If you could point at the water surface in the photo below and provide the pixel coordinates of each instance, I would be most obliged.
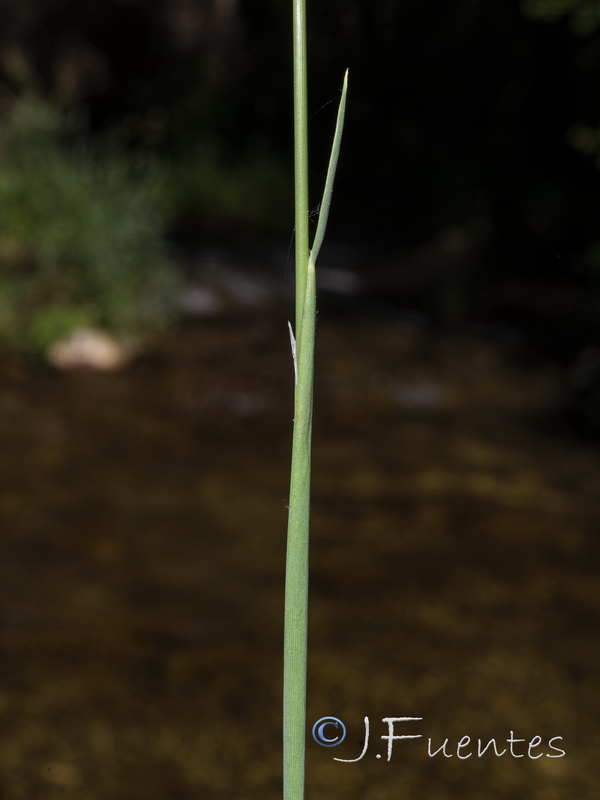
(454, 569)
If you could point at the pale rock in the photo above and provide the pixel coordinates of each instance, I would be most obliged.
(89, 349)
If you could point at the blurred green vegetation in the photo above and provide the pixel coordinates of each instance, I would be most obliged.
(583, 18)
(583, 15)
(458, 107)
(249, 193)
(81, 241)
(464, 114)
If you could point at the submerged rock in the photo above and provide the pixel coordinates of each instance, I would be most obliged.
(89, 349)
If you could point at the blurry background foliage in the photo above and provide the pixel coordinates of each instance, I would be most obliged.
(583, 19)
(80, 244)
(583, 15)
(465, 115)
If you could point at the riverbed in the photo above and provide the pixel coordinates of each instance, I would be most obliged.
(454, 569)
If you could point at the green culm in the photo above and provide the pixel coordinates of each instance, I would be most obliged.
(296, 584)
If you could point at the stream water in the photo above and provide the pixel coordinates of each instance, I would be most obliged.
(454, 570)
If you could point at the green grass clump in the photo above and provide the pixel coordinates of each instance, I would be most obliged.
(80, 240)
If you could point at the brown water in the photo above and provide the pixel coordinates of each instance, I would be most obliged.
(454, 571)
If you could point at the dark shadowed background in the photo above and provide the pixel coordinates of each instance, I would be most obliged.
(146, 192)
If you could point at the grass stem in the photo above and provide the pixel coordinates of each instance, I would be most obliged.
(296, 583)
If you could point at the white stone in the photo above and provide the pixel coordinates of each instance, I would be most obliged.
(89, 349)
